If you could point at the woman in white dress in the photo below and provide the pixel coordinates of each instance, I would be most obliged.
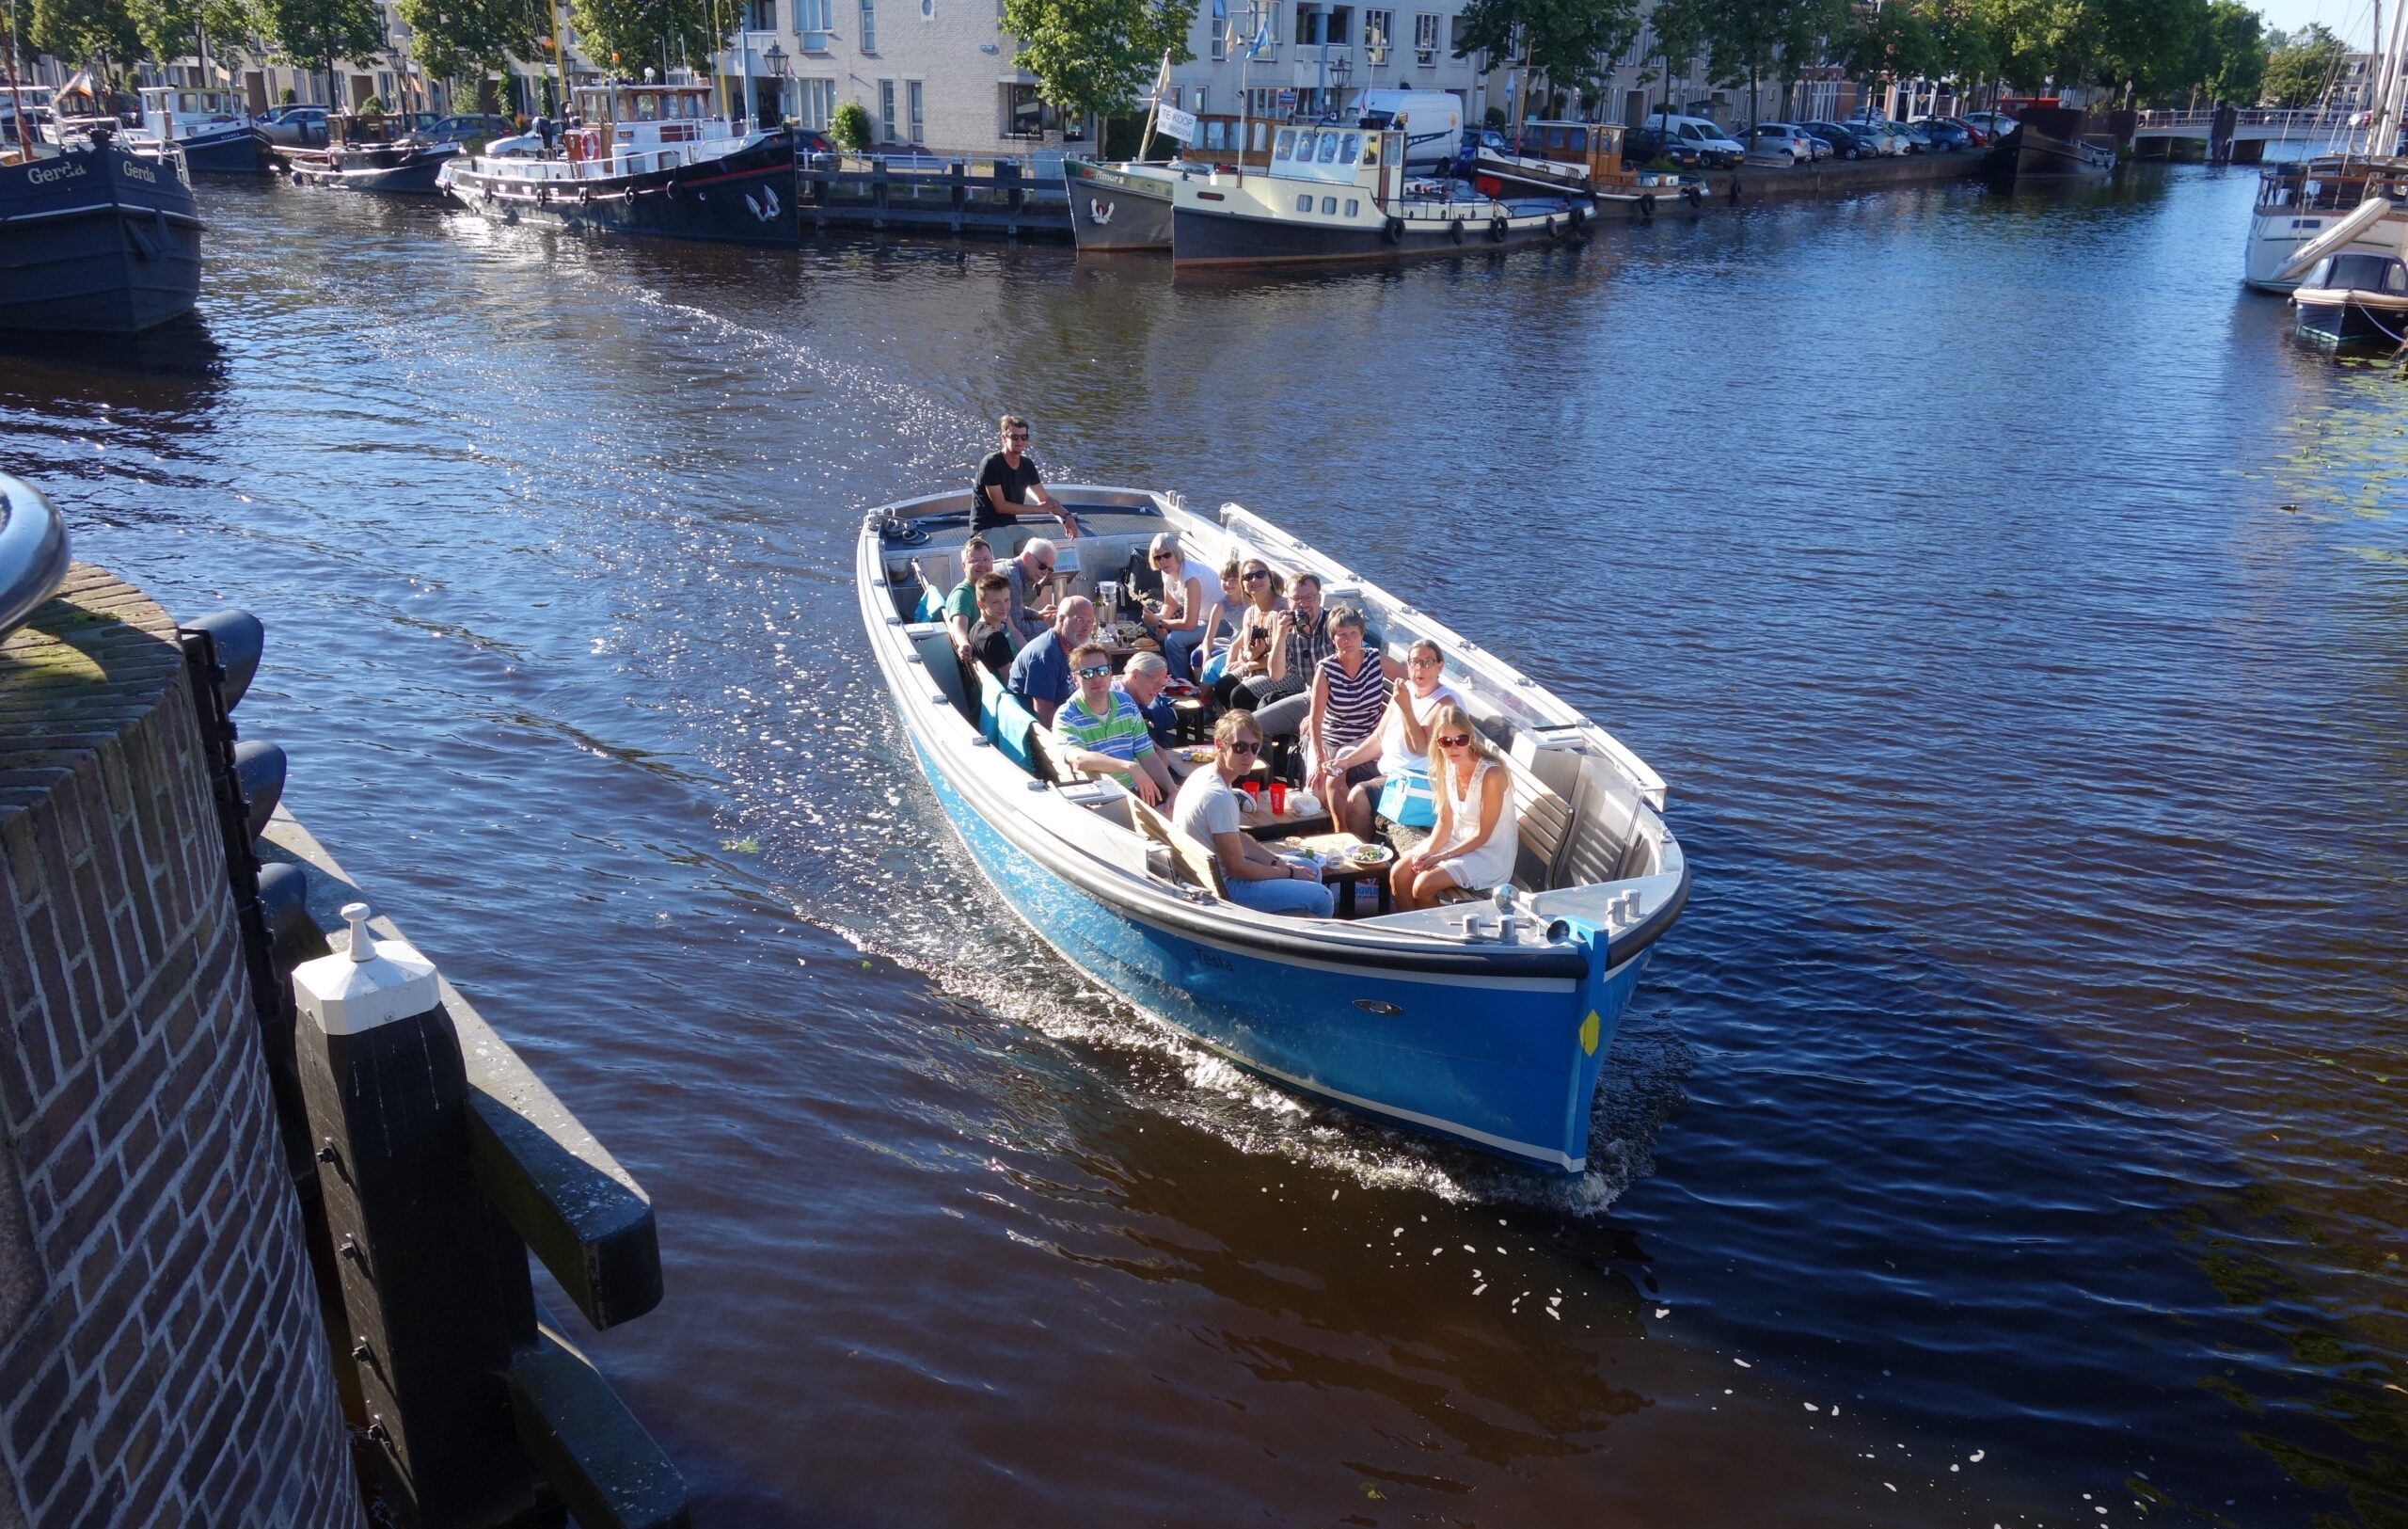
(1478, 831)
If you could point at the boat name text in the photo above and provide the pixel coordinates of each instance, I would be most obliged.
(44, 174)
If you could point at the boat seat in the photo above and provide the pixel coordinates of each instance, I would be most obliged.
(991, 692)
(1195, 864)
(1052, 757)
(1014, 724)
(1545, 821)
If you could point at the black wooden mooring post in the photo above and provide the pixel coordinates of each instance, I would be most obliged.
(436, 1288)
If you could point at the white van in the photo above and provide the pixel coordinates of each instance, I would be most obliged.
(1720, 148)
(1433, 124)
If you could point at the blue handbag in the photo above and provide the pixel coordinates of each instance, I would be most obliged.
(1216, 666)
(1406, 799)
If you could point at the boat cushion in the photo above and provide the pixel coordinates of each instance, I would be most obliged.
(991, 692)
(1014, 721)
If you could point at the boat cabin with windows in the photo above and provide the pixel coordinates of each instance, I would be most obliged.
(189, 106)
(1595, 147)
(647, 115)
(1366, 159)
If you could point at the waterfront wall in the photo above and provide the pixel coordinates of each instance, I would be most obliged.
(1840, 176)
(161, 1356)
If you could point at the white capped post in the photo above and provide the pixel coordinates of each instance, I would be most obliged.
(373, 982)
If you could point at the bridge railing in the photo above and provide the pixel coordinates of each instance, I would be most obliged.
(2300, 123)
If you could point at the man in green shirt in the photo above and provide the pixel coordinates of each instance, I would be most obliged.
(1105, 732)
(961, 606)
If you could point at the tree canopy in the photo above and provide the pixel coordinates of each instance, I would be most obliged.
(470, 38)
(623, 38)
(79, 30)
(1564, 40)
(1097, 55)
(167, 27)
(2304, 68)
(317, 32)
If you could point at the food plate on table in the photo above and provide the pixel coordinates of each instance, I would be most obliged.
(1196, 753)
(1370, 854)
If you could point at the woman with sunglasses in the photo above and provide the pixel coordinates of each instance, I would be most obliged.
(1207, 811)
(1250, 632)
(1192, 597)
(1478, 830)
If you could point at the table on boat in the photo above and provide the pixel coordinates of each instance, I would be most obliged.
(1346, 874)
(1259, 822)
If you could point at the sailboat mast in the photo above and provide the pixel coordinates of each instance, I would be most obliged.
(17, 87)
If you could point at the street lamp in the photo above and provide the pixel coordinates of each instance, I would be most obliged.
(1339, 73)
(776, 59)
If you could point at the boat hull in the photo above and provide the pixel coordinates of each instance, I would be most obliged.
(1510, 1070)
(236, 151)
(2352, 318)
(1116, 211)
(96, 240)
(1202, 238)
(411, 175)
(747, 198)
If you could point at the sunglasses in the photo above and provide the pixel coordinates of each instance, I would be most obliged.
(1096, 671)
(1020, 435)
(1045, 567)
(1242, 746)
(1457, 740)
(1257, 577)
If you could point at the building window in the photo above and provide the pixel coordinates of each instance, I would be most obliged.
(1425, 39)
(764, 15)
(1198, 107)
(886, 111)
(1341, 24)
(1220, 28)
(1025, 116)
(869, 25)
(1379, 28)
(919, 122)
(927, 10)
(818, 103)
(815, 21)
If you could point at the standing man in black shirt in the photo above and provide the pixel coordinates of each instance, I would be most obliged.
(1007, 483)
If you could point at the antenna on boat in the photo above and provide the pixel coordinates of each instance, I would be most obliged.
(17, 87)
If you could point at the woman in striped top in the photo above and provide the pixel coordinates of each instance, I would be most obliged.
(1350, 695)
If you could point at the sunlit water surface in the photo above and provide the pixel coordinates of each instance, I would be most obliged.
(2008, 1134)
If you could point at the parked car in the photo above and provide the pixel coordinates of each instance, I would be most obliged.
(1946, 136)
(1716, 147)
(1645, 145)
(1918, 141)
(1975, 137)
(295, 126)
(1778, 143)
(1995, 124)
(467, 125)
(1844, 140)
(1888, 143)
(1804, 145)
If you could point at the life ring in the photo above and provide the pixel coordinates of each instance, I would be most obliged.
(1496, 229)
(1647, 207)
(1455, 230)
(1393, 231)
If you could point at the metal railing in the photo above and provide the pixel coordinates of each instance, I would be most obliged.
(33, 552)
(2300, 123)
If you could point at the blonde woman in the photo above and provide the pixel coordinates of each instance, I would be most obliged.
(1472, 845)
(1192, 597)
(1262, 594)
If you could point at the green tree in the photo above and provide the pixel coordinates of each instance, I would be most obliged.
(1562, 39)
(82, 30)
(849, 127)
(1681, 29)
(469, 38)
(623, 38)
(1097, 56)
(315, 33)
(2304, 69)
(169, 27)
(1889, 44)
(2232, 55)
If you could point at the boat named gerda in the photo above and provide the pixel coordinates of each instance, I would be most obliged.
(1487, 1022)
(96, 237)
(1342, 194)
(649, 159)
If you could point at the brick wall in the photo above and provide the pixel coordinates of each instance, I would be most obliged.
(161, 1359)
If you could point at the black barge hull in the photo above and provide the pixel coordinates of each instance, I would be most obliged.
(1113, 212)
(747, 198)
(99, 240)
(1204, 239)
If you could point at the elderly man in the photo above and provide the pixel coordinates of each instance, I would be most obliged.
(1206, 810)
(961, 605)
(1144, 681)
(1041, 674)
(1106, 733)
(1028, 573)
(1007, 483)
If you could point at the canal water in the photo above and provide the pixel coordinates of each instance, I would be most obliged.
(2007, 1135)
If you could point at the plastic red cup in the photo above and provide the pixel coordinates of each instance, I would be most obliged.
(1279, 799)
(1254, 789)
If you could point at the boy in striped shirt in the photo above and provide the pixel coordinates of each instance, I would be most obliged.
(1105, 732)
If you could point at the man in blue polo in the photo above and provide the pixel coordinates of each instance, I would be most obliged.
(1041, 674)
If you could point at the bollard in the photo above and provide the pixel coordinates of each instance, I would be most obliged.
(434, 1289)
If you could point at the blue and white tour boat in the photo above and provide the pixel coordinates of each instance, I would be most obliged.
(209, 128)
(1487, 1022)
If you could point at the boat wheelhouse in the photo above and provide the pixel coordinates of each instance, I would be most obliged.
(2353, 298)
(1581, 159)
(1341, 194)
(210, 128)
(381, 153)
(2309, 198)
(649, 159)
(1488, 1022)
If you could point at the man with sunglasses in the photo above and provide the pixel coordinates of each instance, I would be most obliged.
(1106, 733)
(1206, 810)
(1007, 483)
(1030, 573)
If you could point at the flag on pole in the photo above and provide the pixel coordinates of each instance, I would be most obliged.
(80, 84)
(1261, 44)
(1162, 81)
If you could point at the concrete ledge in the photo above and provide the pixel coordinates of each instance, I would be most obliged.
(1840, 176)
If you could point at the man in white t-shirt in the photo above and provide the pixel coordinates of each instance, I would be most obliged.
(1206, 810)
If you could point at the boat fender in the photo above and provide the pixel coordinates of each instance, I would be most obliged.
(1696, 196)
(1393, 231)
(543, 196)
(1647, 208)
(1496, 229)
(585, 196)
(1580, 217)
(1455, 230)
(1550, 225)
